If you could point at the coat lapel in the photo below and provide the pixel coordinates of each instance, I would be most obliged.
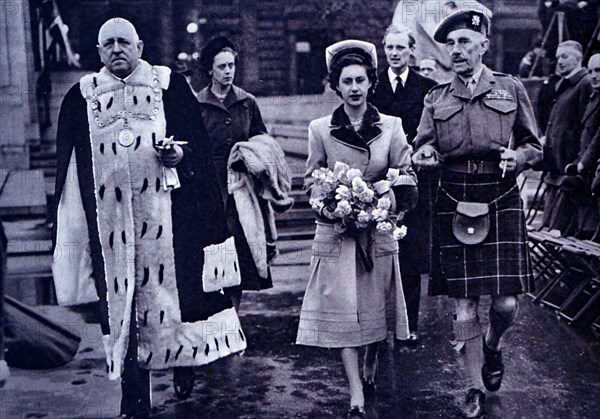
(485, 84)
(411, 80)
(592, 107)
(458, 88)
(342, 130)
(235, 94)
(384, 80)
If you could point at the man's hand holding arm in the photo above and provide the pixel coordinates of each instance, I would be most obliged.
(425, 155)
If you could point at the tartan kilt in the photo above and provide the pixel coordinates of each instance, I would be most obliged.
(500, 265)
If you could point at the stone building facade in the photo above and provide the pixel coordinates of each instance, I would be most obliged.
(281, 42)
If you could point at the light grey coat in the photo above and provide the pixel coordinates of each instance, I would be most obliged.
(345, 305)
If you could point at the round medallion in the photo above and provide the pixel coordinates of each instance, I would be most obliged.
(126, 137)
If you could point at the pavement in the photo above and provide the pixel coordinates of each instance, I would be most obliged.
(551, 371)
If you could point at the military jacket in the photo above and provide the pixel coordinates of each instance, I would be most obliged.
(464, 126)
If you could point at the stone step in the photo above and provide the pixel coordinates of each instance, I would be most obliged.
(14, 203)
(29, 261)
(296, 214)
(37, 163)
(46, 151)
(305, 232)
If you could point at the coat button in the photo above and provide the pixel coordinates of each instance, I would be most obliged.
(227, 121)
(229, 141)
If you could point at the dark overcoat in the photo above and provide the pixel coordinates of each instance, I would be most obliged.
(590, 143)
(415, 247)
(563, 133)
(235, 119)
(408, 106)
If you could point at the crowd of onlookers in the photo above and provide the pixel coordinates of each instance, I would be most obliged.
(568, 112)
(569, 119)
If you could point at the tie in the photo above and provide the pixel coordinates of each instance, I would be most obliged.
(471, 85)
(399, 87)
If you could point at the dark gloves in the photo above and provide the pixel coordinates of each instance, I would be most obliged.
(406, 197)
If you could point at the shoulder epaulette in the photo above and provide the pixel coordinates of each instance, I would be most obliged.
(499, 74)
(439, 86)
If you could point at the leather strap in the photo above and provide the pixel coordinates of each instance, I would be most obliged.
(481, 167)
(466, 329)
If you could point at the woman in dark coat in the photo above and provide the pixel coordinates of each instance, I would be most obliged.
(230, 115)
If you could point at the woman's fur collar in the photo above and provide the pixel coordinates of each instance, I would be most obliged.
(342, 129)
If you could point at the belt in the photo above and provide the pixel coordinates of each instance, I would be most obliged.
(474, 167)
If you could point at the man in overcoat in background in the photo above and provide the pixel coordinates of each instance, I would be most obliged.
(564, 129)
(480, 129)
(134, 213)
(400, 92)
(586, 165)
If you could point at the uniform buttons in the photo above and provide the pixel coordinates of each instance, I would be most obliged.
(227, 121)
(229, 141)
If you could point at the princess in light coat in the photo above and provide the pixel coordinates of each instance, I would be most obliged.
(345, 304)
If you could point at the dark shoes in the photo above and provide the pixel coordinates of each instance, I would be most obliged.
(493, 368)
(368, 389)
(183, 382)
(474, 405)
(357, 413)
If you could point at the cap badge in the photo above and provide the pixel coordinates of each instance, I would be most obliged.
(476, 20)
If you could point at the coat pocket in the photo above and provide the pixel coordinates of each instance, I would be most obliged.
(448, 126)
(330, 249)
(385, 245)
(499, 123)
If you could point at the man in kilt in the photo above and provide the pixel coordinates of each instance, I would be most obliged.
(479, 128)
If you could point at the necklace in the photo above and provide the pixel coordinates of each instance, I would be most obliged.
(356, 122)
(126, 136)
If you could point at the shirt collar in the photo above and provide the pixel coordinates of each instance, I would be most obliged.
(572, 73)
(392, 76)
(475, 77)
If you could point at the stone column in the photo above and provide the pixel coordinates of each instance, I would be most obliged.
(250, 48)
(15, 112)
(166, 35)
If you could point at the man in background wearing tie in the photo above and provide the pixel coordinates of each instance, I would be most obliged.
(400, 92)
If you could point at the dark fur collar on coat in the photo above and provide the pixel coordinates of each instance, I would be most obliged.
(342, 129)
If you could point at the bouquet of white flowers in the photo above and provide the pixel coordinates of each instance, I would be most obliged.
(342, 195)
(353, 204)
